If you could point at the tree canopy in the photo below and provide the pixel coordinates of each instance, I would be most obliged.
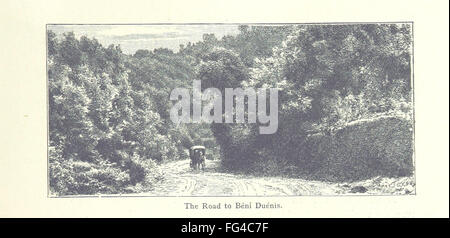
(109, 119)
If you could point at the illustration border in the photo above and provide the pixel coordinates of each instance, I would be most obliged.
(243, 196)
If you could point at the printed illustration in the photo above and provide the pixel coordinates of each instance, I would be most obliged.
(230, 109)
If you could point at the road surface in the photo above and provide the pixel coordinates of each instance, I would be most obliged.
(181, 180)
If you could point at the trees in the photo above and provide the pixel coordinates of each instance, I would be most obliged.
(106, 129)
(328, 76)
(110, 112)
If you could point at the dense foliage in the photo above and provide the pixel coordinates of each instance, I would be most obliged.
(109, 112)
(328, 76)
(109, 123)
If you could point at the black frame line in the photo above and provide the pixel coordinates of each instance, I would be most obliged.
(211, 196)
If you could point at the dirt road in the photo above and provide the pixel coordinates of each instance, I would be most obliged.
(181, 180)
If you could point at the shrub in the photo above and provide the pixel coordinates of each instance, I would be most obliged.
(362, 149)
(70, 177)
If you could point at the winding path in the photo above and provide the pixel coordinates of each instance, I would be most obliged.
(181, 180)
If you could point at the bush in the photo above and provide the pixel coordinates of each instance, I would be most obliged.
(363, 149)
(71, 177)
(143, 172)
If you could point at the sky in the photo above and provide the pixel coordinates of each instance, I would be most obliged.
(134, 37)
